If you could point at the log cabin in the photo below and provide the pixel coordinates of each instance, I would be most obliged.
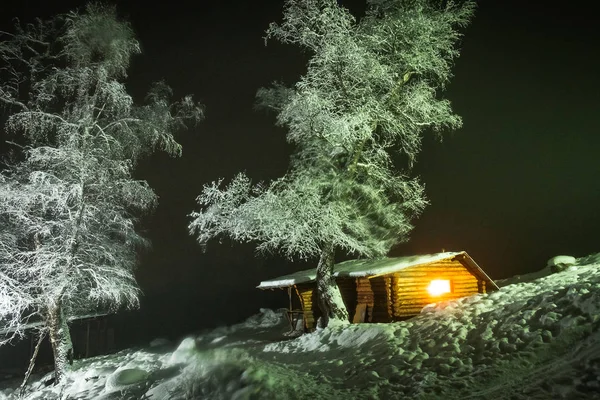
(386, 289)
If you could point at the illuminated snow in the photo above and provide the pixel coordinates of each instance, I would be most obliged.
(536, 339)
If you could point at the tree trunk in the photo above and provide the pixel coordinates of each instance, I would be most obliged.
(31, 364)
(60, 339)
(329, 295)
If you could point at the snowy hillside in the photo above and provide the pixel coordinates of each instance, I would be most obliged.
(530, 340)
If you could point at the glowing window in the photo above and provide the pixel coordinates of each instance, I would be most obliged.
(438, 287)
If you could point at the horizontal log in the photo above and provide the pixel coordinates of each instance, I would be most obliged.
(429, 300)
(428, 271)
(440, 274)
(406, 315)
(434, 268)
(412, 290)
(424, 284)
(439, 262)
(411, 293)
(407, 312)
(411, 308)
(429, 277)
(425, 294)
(415, 302)
(414, 294)
(466, 288)
(427, 282)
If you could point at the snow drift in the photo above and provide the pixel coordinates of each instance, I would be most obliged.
(535, 339)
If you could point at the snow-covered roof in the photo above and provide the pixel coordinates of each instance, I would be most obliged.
(370, 267)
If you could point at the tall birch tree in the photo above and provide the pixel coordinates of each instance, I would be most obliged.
(356, 118)
(69, 203)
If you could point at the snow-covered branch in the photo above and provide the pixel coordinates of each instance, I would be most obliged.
(371, 90)
(70, 207)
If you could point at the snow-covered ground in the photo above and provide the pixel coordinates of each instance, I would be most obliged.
(536, 339)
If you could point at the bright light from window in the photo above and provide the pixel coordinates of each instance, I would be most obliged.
(438, 287)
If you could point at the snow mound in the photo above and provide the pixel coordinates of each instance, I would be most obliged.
(536, 339)
(266, 318)
(531, 340)
(124, 377)
(185, 352)
(560, 263)
(591, 260)
(561, 260)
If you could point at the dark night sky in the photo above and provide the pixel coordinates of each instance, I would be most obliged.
(514, 187)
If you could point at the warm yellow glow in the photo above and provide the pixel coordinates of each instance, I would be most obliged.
(438, 287)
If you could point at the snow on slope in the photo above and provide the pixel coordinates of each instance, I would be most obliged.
(531, 340)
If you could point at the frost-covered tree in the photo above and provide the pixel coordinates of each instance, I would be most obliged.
(69, 202)
(356, 118)
(14, 304)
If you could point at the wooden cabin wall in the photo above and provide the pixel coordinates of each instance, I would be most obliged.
(347, 288)
(310, 305)
(374, 296)
(409, 286)
(364, 298)
(382, 307)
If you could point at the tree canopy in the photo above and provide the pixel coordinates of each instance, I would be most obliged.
(371, 89)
